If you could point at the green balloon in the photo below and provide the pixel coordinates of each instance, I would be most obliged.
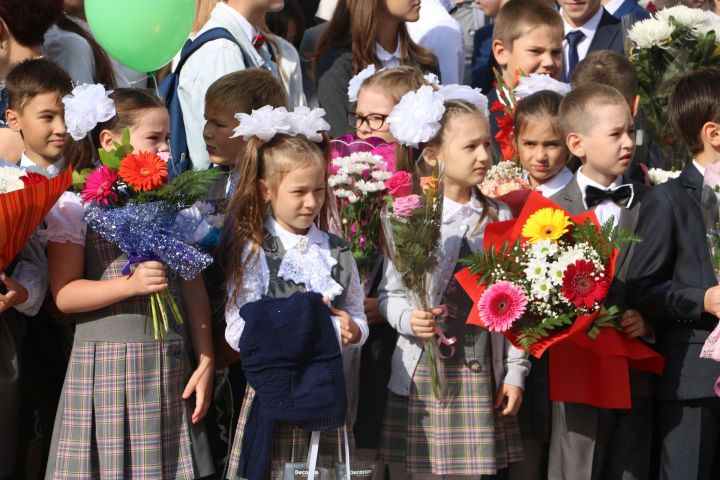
(141, 34)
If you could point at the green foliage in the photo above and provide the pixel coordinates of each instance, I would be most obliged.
(610, 237)
(184, 190)
(485, 262)
(79, 178)
(120, 150)
(607, 318)
(531, 335)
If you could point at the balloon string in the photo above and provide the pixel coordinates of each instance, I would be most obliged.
(155, 83)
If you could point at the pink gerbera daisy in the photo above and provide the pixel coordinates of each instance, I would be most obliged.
(501, 305)
(100, 186)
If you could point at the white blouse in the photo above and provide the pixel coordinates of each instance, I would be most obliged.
(66, 221)
(307, 261)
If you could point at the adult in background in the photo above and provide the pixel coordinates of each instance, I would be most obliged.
(23, 24)
(361, 33)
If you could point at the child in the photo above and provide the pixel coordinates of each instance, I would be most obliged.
(589, 442)
(271, 255)
(237, 92)
(527, 38)
(123, 413)
(376, 98)
(672, 282)
(422, 435)
(539, 142)
(35, 88)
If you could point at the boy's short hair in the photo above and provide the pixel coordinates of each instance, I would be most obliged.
(694, 101)
(576, 109)
(608, 68)
(28, 20)
(33, 77)
(518, 17)
(246, 90)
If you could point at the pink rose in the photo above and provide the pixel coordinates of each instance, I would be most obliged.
(405, 206)
(400, 184)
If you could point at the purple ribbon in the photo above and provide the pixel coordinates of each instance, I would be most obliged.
(135, 260)
(442, 339)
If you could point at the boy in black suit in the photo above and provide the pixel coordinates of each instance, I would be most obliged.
(589, 442)
(672, 282)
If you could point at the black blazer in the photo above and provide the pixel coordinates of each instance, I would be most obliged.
(608, 36)
(570, 198)
(669, 274)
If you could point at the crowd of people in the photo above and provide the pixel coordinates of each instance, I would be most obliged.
(86, 392)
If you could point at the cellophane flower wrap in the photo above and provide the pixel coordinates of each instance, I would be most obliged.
(129, 202)
(411, 223)
(710, 204)
(544, 277)
(26, 196)
(674, 41)
(358, 182)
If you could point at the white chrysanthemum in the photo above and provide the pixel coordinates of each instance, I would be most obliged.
(356, 168)
(432, 79)
(541, 289)
(381, 175)
(537, 82)
(264, 123)
(352, 197)
(650, 32)
(689, 17)
(465, 93)
(369, 187)
(556, 272)
(366, 157)
(342, 193)
(416, 119)
(339, 179)
(356, 82)
(658, 175)
(536, 269)
(543, 248)
(10, 179)
(85, 107)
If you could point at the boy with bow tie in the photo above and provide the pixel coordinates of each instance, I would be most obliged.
(589, 442)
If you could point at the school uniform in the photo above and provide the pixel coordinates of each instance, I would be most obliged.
(121, 412)
(483, 60)
(589, 442)
(668, 277)
(462, 434)
(326, 265)
(601, 32)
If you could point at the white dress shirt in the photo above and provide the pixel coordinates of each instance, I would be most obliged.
(700, 168)
(53, 169)
(387, 59)
(555, 184)
(613, 5)
(605, 209)
(588, 28)
(440, 33)
(220, 57)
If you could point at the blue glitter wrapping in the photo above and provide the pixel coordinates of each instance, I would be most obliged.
(148, 230)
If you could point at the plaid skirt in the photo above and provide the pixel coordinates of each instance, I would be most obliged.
(460, 435)
(121, 415)
(289, 444)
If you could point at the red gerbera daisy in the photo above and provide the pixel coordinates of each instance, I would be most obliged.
(143, 171)
(583, 285)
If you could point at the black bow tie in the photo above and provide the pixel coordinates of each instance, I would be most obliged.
(620, 196)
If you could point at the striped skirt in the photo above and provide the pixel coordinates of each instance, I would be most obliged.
(289, 444)
(460, 435)
(121, 415)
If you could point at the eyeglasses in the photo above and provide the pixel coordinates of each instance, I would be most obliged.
(374, 121)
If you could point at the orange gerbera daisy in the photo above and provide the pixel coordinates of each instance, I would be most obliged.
(143, 171)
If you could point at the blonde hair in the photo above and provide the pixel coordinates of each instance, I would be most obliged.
(203, 9)
(268, 161)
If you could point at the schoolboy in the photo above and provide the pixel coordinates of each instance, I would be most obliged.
(614, 69)
(672, 282)
(589, 442)
(527, 37)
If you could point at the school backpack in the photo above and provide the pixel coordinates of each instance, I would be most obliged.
(168, 91)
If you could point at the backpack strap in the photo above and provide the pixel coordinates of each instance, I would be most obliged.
(216, 33)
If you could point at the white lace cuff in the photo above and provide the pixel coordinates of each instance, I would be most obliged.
(65, 222)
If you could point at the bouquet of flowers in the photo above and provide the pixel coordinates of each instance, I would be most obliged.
(358, 181)
(658, 176)
(710, 203)
(508, 98)
(544, 277)
(503, 178)
(26, 196)
(411, 224)
(130, 203)
(674, 41)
